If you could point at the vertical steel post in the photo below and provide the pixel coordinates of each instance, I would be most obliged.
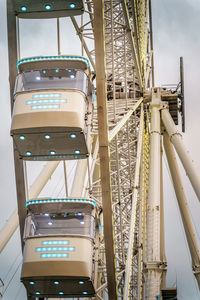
(99, 34)
(162, 223)
(153, 264)
(12, 47)
(58, 35)
(65, 177)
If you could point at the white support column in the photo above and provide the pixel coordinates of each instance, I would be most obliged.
(65, 177)
(183, 207)
(162, 223)
(13, 222)
(79, 178)
(176, 139)
(42, 179)
(8, 230)
(153, 264)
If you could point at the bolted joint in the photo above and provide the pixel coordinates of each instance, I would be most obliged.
(154, 266)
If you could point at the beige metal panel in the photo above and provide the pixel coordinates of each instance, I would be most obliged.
(68, 271)
(78, 262)
(49, 119)
(49, 62)
(58, 122)
(52, 205)
(183, 207)
(69, 114)
(104, 146)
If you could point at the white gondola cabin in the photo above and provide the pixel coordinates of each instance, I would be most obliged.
(51, 104)
(59, 248)
(37, 9)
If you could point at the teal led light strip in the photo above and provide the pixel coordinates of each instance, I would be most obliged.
(55, 243)
(44, 249)
(41, 157)
(48, 157)
(47, 58)
(36, 96)
(54, 255)
(46, 101)
(52, 106)
(63, 200)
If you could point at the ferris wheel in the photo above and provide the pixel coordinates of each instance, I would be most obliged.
(99, 117)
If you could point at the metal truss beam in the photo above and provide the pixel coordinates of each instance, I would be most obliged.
(132, 41)
(135, 200)
(123, 121)
(112, 133)
(84, 44)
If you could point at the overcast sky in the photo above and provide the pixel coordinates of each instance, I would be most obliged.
(176, 26)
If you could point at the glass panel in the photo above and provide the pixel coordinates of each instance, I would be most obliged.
(52, 79)
(61, 224)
